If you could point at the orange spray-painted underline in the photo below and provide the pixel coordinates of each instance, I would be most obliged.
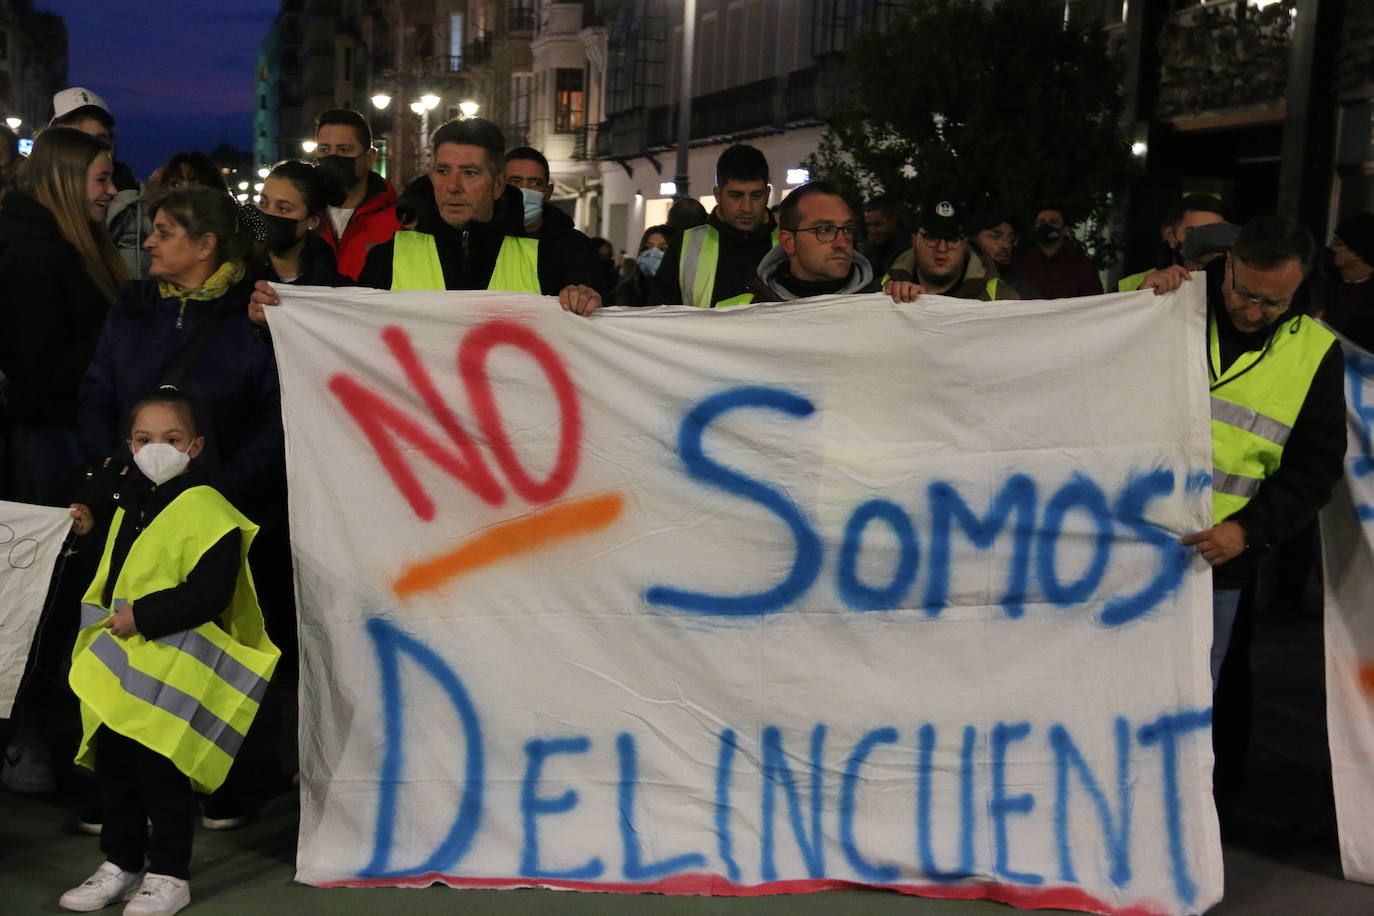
(511, 539)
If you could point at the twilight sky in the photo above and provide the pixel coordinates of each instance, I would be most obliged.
(176, 76)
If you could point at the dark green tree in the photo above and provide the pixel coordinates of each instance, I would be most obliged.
(975, 101)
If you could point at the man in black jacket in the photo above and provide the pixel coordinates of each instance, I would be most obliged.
(709, 266)
(1264, 353)
(472, 236)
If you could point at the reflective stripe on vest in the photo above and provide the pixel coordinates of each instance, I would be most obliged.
(696, 271)
(192, 695)
(1254, 405)
(415, 264)
(164, 696)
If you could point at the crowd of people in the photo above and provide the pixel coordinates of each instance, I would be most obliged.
(140, 388)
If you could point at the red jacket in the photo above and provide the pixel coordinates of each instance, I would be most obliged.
(373, 223)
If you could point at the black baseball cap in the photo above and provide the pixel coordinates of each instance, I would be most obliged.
(942, 219)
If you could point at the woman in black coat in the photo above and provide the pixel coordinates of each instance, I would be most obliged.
(59, 272)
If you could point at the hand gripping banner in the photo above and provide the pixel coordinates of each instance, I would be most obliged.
(767, 600)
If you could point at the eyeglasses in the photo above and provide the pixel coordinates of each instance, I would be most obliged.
(826, 232)
(1269, 305)
(933, 241)
(534, 184)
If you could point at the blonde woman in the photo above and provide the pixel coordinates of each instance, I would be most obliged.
(59, 273)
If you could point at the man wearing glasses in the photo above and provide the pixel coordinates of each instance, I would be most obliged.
(943, 262)
(815, 253)
(1278, 409)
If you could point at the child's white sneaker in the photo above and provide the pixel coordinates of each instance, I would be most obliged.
(110, 884)
(160, 895)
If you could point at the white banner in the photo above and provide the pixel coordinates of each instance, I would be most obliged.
(30, 540)
(760, 600)
(1347, 527)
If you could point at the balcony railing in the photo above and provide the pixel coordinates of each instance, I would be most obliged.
(762, 106)
(585, 142)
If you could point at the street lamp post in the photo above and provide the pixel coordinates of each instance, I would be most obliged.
(422, 107)
(684, 104)
(381, 101)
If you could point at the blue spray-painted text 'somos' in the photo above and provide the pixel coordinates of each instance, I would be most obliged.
(1034, 520)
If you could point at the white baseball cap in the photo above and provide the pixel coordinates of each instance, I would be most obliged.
(69, 100)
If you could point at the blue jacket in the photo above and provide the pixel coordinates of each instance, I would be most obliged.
(232, 382)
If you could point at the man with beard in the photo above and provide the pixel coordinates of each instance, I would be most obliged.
(708, 266)
(815, 253)
(991, 230)
(943, 263)
(367, 215)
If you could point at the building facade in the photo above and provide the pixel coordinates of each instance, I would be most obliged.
(33, 63)
(1266, 103)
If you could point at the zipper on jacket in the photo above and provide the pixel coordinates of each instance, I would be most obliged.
(180, 312)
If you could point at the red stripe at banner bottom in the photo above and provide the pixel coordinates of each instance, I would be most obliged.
(1027, 898)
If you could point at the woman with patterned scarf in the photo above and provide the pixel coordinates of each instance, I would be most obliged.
(187, 325)
(189, 319)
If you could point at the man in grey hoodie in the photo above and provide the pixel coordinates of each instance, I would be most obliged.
(815, 253)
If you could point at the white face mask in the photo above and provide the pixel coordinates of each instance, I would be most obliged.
(160, 462)
(534, 204)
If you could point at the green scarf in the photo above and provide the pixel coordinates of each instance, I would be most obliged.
(216, 285)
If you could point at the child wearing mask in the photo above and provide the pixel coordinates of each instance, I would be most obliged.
(170, 665)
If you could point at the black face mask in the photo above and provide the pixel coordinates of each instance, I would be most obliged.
(343, 168)
(281, 233)
(1045, 234)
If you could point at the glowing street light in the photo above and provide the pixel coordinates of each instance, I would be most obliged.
(381, 100)
(243, 186)
(264, 172)
(430, 101)
(308, 145)
(418, 107)
(469, 108)
(13, 123)
(258, 187)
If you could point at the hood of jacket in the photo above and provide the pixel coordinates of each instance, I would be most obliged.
(766, 286)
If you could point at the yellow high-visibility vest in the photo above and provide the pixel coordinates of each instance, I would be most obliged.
(190, 696)
(415, 264)
(1132, 283)
(696, 271)
(1254, 405)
